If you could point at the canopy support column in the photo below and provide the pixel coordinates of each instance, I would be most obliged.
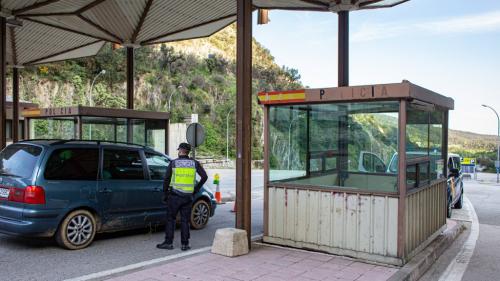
(3, 80)
(15, 104)
(402, 179)
(343, 49)
(130, 90)
(244, 116)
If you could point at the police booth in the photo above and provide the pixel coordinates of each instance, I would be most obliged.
(356, 171)
(147, 128)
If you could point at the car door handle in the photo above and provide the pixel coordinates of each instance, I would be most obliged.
(105, 190)
(157, 189)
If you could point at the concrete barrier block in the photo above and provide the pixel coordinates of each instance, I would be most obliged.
(230, 242)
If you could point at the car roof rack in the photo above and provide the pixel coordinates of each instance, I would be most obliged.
(60, 141)
(98, 142)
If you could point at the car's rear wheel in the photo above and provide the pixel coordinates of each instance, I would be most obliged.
(77, 230)
(200, 214)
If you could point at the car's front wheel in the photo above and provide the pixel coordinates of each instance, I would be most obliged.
(200, 214)
(77, 230)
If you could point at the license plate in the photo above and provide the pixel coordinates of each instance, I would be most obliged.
(4, 192)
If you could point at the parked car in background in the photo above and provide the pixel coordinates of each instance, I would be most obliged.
(72, 190)
(372, 163)
(455, 184)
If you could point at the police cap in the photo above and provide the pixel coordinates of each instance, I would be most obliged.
(185, 146)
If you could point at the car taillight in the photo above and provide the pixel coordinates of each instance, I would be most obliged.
(16, 195)
(30, 195)
(34, 195)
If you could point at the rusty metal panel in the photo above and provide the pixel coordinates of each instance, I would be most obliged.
(425, 216)
(334, 220)
(301, 223)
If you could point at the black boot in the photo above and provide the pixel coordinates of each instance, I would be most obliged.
(185, 247)
(165, 246)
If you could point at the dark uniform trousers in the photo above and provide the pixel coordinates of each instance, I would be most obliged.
(183, 204)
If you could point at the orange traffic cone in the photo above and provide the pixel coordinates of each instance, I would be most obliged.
(218, 196)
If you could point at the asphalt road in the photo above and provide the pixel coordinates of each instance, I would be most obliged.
(484, 265)
(43, 260)
(228, 182)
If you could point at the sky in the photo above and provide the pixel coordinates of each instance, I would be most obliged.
(449, 46)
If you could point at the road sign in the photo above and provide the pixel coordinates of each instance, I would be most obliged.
(195, 134)
(497, 164)
(468, 161)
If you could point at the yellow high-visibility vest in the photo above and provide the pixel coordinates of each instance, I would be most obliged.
(184, 175)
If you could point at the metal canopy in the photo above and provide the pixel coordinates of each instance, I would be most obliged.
(128, 22)
(145, 22)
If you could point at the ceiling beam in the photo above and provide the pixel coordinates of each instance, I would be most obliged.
(73, 31)
(148, 41)
(44, 15)
(316, 2)
(141, 21)
(100, 28)
(34, 6)
(89, 6)
(13, 44)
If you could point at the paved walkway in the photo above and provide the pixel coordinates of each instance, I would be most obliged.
(264, 263)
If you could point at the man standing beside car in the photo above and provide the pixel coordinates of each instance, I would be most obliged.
(179, 189)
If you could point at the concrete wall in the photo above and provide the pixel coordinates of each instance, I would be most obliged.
(177, 134)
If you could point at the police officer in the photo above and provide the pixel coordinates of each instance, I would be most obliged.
(180, 187)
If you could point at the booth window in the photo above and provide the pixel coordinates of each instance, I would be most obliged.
(53, 128)
(337, 145)
(424, 140)
(104, 128)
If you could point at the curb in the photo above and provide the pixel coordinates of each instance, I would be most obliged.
(419, 264)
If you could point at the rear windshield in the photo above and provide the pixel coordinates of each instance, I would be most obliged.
(19, 160)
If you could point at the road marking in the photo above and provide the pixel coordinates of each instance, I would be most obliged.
(457, 267)
(138, 265)
(130, 267)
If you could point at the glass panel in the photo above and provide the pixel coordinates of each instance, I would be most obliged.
(155, 134)
(60, 128)
(423, 174)
(157, 165)
(435, 144)
(417, 133)
(8, 129)
(288, 142)
(21, 129)
(101, 128)
(72, 164)
(350, 145)
(323, 144)
(122, 165)
(411, 176)
(139, 131)
(19, 160)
